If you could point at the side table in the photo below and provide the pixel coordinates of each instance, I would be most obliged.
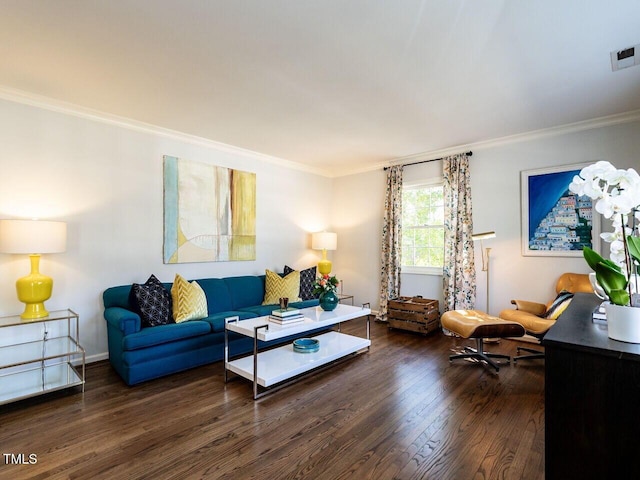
(344, 296)
(43, 363)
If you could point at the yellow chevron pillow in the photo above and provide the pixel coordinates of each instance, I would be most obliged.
(189, 300)
(276, 287)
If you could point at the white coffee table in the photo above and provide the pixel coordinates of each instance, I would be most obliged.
(271, 369)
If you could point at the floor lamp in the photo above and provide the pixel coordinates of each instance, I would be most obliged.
(486, 252)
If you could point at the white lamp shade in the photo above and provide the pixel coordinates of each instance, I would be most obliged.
(32, 236)
(324, 241)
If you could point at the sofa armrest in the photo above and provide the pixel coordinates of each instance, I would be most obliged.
(126, 321)
(535, 308)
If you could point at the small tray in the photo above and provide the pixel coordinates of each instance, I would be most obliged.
(306, 345)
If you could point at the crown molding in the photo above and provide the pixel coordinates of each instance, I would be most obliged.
(48, 103)
(600, 122)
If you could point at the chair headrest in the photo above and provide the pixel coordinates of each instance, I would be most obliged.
(574, 283)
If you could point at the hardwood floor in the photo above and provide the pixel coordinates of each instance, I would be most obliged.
(399, 412)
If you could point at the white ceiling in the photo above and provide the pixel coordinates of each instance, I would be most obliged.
(337, 85)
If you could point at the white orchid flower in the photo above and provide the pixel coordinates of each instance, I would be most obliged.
(616, 195)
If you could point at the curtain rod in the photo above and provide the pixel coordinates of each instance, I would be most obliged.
(427, 161)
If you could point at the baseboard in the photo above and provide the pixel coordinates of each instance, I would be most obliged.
(92, 359)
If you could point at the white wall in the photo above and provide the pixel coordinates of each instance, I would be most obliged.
(496, 196)
(106, 182)
(495, 185)
(358, 209)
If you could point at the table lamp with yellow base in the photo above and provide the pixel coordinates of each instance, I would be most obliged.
(33, 237)
(324, 241)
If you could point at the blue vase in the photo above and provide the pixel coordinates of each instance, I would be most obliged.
(328, 301)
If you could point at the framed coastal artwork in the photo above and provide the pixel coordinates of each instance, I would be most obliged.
(555, 221)
(209, 213)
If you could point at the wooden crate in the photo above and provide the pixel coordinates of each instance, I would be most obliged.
(415, 314)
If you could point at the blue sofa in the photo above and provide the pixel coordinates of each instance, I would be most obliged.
(143, 353)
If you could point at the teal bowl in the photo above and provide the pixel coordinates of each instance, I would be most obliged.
(306, 345)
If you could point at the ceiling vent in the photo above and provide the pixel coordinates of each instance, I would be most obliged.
(625, 58)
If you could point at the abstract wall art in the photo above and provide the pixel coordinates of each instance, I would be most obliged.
(555, 221)
(209, 213)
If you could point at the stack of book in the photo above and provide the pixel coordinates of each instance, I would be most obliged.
(286, 317)
(599, 315)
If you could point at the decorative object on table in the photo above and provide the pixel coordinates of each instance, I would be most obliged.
(33, 237)
(286, 316)
(485, 252)
(277, 287)
(324, 241)
(284, 303)
(599, 315)
(209, 213)
(326, 287)
(547, 201)
(306, 345)
(285, 312)
(414, 314)
(288, 320)
(597, 288)
(617, 195)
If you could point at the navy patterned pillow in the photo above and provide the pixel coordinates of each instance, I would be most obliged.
(307, 279)
(152, 302)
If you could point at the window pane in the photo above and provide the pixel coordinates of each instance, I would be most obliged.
(423, 226)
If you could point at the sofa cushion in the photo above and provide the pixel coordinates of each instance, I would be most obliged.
(152, 301)
(189, 300)
(277, 287)
(244, 291)
(217, 320)
(261, 310)
(166, 353)
(117, 297)
(218, 296)
(150, 336)
(307, 279)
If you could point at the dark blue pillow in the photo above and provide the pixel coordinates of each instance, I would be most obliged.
(152, 302)
(307, 279)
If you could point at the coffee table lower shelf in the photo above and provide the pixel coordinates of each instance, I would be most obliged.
(283, 363)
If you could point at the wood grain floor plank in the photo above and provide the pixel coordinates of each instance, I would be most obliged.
(400, 411)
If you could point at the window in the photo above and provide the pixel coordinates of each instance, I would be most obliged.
(423, 228)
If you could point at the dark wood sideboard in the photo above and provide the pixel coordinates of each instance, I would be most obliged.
(592, 399)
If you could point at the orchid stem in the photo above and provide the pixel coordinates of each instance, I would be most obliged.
(627, 258)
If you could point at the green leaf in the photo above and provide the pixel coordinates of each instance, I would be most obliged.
(612, 276)
(634, 247)
(619, 297)
(609, 263)
(592, 258)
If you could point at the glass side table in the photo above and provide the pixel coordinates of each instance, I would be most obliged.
(42, 364)
(344, 296)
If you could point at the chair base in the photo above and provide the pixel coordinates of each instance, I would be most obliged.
(479, 354)
(534, 354)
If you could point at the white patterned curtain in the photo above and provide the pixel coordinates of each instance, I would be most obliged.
(459, 273)
(391, 258)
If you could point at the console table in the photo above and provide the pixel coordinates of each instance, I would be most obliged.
(42, 362)
(592, 393)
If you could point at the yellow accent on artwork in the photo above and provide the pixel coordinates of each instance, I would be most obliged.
(209, 213)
